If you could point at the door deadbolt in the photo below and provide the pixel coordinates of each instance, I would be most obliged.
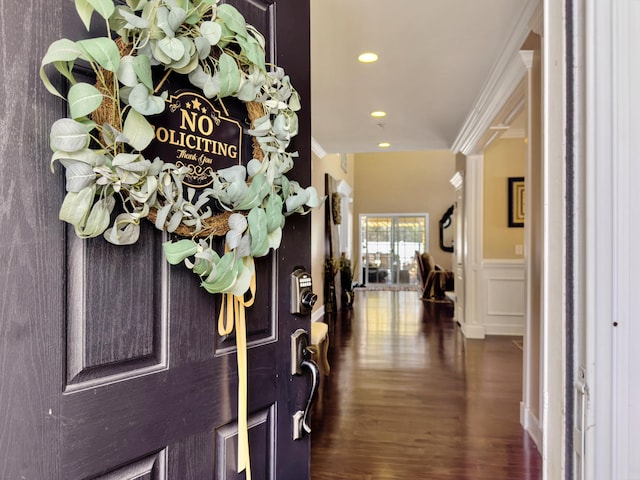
(302, 297)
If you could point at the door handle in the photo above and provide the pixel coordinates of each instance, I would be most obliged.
(301, 361)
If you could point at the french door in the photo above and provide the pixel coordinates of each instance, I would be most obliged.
(388, 245)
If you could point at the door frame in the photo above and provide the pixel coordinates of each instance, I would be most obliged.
(604, 343)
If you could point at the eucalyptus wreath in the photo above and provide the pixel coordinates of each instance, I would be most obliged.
(105, 164)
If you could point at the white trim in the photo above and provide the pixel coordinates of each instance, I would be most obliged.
(344, 189)
(531, 424)
(503, 297)
(531, 357)
(472, 256)
(318, 314)
(474, 332)
(553, 338)
(503, 80)
(503, 262)
(457, 180)
(317, 149)
(599, 302)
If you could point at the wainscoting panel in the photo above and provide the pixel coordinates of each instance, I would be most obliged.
(503, 296)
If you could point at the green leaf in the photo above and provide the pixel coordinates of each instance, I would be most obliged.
(261, 126)
(237, 221)
(102, 51)
(296, 201)
(79, 175)
(174, 222)
(76, 205)
(313, 200)
(188, 67)
(143, 102)
(104, 7)
(233, 19)
(176, 17)
(142, 67)
(273, 210)
(83, 99)
(275, 238)
(85, 10)
(162, 21)
(97, 221)
(132, 21)
(172, 47)
(246, 270)
(229, 75)
(176, 252)
(187, 58)
(258, 189)
(232, 238)
(258, 227)
(227, 35)
(211, 31)
(123, 159)
(210, 85)
(125, 230)
(253, 51)
(138, 130)
(61, 53)
(203, 47)
(126, 72)
(68, 135)
(226, 274)
(86, 155)
(62, 50)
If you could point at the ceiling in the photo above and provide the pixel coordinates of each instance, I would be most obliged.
(435, 57)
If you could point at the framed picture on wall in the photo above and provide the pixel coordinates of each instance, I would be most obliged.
(516, 202)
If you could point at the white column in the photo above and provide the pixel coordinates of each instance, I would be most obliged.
(473, 194)
(553, 271)
(530, 406)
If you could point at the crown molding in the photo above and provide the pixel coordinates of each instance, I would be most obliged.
(505, 77)
(317, 149)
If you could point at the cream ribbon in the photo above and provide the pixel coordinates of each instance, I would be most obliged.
(235, 313)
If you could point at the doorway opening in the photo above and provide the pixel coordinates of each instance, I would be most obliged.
(388, 246)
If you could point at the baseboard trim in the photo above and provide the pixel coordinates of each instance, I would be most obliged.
(318, 314)
(511, 330)
(531, 425)
(473, 331)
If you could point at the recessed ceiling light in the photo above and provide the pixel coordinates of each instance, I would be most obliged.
(378, 114)
(384, 145)
(368, 57)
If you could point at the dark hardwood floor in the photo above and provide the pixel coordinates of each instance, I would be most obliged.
(409, 398)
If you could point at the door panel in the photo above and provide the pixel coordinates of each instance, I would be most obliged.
(110, 362)
(106, 284)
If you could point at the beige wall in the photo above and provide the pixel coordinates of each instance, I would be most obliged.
(405, 182)
(331, 164)
(502, 159)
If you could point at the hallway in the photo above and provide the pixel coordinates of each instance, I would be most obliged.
(409, 398)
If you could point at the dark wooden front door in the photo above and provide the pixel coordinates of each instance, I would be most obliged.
(110, 363)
